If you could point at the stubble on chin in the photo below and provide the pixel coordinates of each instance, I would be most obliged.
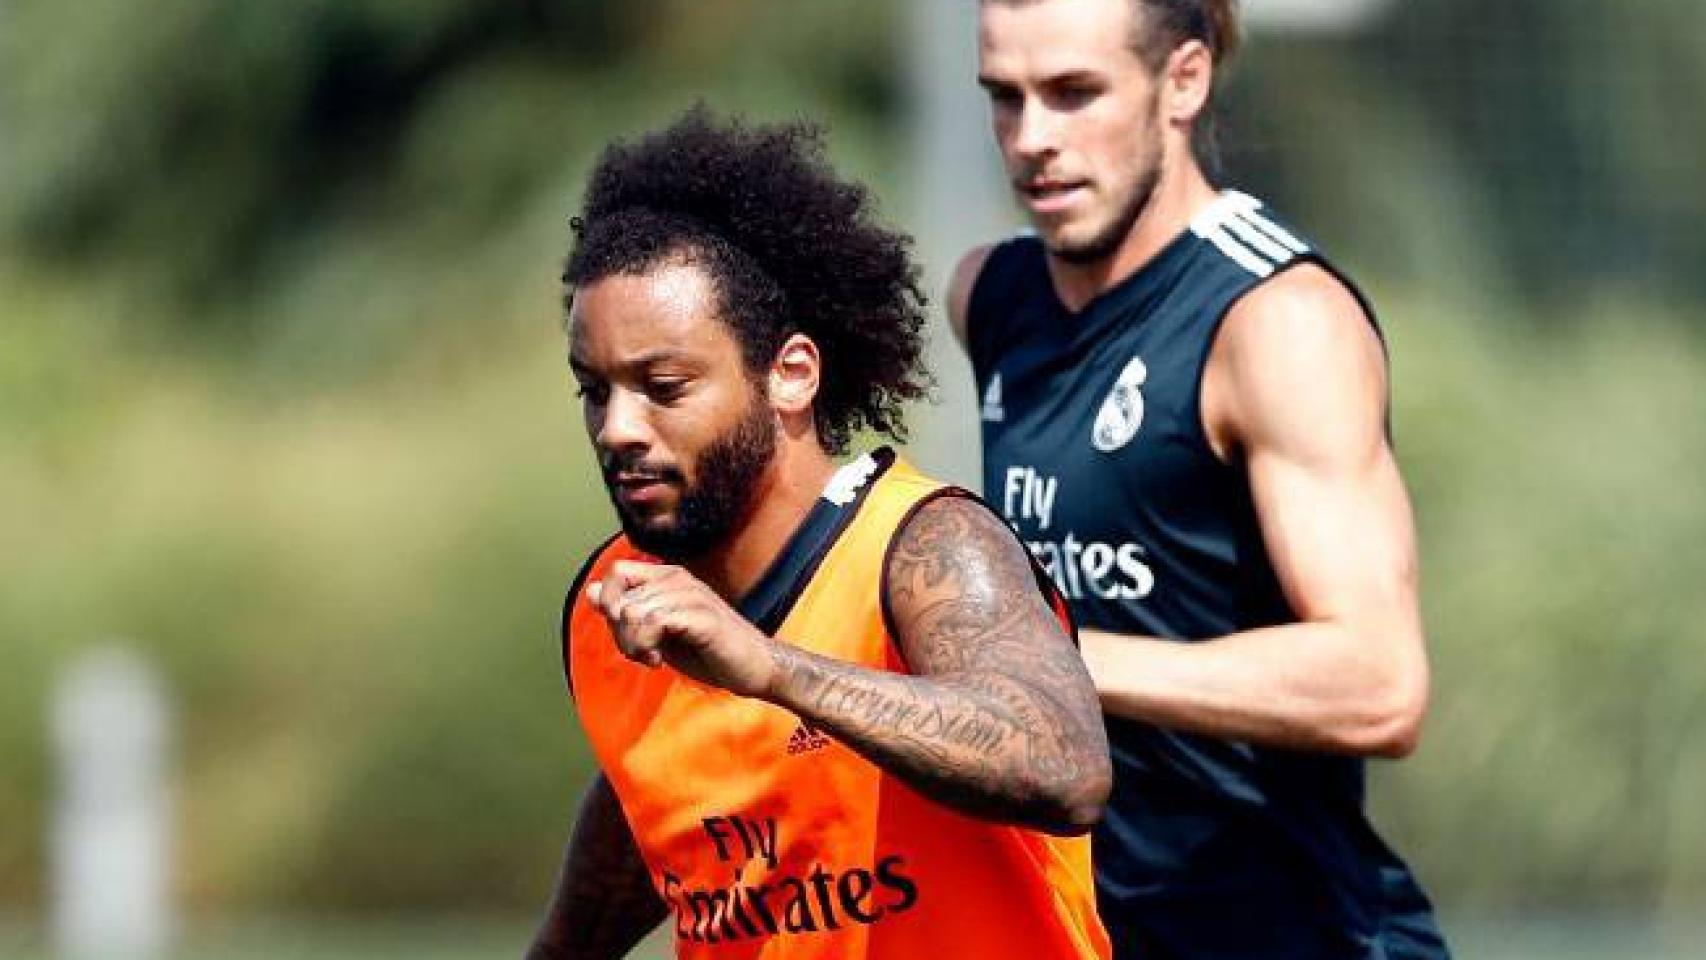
(1105, 242)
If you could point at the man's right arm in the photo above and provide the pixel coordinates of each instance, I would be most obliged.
(604, 903)
(959, 291)
(1296, 389)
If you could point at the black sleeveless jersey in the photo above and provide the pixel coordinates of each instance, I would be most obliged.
(1094, 450)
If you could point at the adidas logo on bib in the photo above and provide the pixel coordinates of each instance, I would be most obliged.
(805, 738)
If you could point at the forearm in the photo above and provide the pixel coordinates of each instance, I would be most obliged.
(604, 903)
(985, 745)
(1307, 686)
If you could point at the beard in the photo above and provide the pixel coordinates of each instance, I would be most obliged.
(1105, 242)
(714, 504)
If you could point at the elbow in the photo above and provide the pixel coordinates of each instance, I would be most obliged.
(1074, 806)
(1086, 810)
(1392, 727)
(1395, 741)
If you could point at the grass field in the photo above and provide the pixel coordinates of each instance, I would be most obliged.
(1539, 937)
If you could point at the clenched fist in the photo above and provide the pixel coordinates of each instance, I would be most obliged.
(661, 614)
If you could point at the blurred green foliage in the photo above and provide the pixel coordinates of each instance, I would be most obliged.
(1531, 149)
(257, 171)
(281, 402)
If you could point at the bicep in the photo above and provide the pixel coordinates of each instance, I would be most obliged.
(603, 852)
(1307, 378)
(963, 596)
(604, 902)
(1338, 533)
(600, 823)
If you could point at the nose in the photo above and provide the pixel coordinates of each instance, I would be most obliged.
(622, 425)
(1033, 130)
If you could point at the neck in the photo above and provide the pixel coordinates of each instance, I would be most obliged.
(1181, 191)
(784, 495)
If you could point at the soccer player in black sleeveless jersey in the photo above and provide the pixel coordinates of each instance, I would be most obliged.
(1184, 413)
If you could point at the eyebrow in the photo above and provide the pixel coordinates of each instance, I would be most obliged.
(1070, 75)
(647, 359)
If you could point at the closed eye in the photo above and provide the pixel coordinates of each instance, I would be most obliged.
(666, 390)
(1001, 94)
(1074, 93)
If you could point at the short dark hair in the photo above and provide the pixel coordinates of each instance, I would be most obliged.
(1164, 24)
(788, 246)
(1159, 26)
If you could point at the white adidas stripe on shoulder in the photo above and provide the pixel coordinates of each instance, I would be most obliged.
(1250, 210)
(1236, 226)
(1253, 237)
(1236, 251)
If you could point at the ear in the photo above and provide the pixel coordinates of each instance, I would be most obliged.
(1186, 82)
(794, 375)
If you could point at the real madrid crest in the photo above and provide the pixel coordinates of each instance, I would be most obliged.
(1121, 413)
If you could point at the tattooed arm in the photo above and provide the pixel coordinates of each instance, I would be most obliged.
(604, 903)
(1000, 719)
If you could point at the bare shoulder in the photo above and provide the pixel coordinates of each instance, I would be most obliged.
(1297, 359)
(958, 578)
(1300, 312)
(955, 540)
(960, 285)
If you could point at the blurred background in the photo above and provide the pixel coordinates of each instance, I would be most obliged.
(283, 410)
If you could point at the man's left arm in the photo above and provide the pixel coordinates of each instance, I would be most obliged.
(997, 717)
(1295, 390)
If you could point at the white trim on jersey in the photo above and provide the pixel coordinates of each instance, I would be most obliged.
(1247, 232)
(1235, 251)
(1250, 209)
(1235, 225)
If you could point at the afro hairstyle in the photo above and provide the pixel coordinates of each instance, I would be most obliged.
(789, 247)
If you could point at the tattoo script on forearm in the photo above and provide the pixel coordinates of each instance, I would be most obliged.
(1000, 718)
